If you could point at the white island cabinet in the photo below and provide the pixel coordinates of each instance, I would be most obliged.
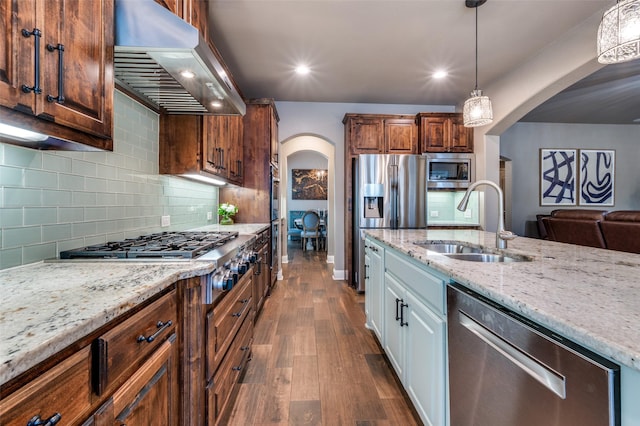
(374, 276)
(584, 294)
(413, 329)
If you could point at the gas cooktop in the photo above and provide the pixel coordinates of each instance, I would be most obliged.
(175, 245)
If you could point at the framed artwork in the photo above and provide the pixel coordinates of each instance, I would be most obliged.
(558, 177)
(597, 174)
(309, 184)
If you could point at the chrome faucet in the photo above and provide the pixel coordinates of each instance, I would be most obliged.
(501, 234)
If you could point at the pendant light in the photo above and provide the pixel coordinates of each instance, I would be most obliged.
(619, 33)
(477, 109)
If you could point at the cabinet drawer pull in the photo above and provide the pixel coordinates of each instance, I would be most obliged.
(37, 421)
(162, 326)
(237, 314)
(238, 368)
(245, 348)
(402, 306)
(243, 301)
(60, 98)
(36, 61)
(397, 309)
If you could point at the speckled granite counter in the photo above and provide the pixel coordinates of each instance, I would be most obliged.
(47, 306)
(242, 228)
(589, 295)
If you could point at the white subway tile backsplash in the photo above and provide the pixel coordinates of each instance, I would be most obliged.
(70, 214)
(60, 198)
(54, 201)
(53, 233)
(11, 217)
(21, 197)
(21, 157)
(40, 215)
(56, 163)
(12, 176)
(10, 258)
(38, 252)
(25, 235)
(71, 182)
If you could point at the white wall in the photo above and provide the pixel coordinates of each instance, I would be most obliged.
(521, 143)
(324, 120)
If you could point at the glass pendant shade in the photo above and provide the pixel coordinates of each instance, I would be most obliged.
(477, 110)
(619, 33)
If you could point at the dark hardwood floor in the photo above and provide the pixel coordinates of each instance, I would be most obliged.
(314, 362)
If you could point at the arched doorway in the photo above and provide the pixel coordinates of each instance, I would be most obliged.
(325, 148)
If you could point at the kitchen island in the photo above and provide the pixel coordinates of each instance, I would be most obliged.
(587, 295)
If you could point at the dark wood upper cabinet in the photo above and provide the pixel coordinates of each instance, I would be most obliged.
(209, 145)
(381, 134)
(444, 133)
(401, 136)
(364, 134)
(59, 81)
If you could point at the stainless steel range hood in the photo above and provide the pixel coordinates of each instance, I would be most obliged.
(154, 52)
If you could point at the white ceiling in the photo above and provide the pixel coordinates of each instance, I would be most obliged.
(384, 51)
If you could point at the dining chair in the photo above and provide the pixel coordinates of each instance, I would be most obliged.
(310, 228)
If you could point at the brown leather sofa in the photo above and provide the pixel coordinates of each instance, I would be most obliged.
(621, 230)
(576, 226)
(614, 230)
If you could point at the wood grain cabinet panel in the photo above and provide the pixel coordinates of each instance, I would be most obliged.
(121, 350)
(202, 145)
(224, 321)
(71, 95)
(63, 391)
(149, 397)
(444, 133)
(400, 136)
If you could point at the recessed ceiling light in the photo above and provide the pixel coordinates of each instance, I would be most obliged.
(216, 104)
(187, 74)
(302, 69)
(440, 74)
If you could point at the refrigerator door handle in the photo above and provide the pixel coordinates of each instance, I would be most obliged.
(393, 193)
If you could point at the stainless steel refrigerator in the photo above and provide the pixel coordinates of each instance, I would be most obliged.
(389, 191)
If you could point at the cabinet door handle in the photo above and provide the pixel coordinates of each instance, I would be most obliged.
(402, 321)
(36, 61)
(37, 421)
(397, 309)
(162, 326)
(366, 272)
(222, 159)
(60, 98)
(239, 168)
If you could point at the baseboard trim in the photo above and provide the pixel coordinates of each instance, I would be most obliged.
(339, 275)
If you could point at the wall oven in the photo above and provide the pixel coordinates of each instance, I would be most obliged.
(450, 170)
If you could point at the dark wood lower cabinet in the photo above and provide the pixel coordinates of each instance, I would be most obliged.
(149, 397)
(172, 361)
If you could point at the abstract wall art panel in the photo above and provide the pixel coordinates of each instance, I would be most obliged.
(597, 173)
(558, 177)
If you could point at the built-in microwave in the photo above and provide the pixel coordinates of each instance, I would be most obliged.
(450, 170)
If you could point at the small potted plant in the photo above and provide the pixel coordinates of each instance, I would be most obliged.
(226, 210)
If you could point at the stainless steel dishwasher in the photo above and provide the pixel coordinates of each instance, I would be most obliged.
(505, 370)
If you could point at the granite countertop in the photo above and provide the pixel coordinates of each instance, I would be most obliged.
(48, 306)
(588, 295)
(241, 228)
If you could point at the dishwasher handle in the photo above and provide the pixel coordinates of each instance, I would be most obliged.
(540, 372)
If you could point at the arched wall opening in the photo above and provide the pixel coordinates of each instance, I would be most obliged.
(324, 147)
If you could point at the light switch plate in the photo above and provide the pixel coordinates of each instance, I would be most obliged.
(165, 221)
(209, 215)
(435, 213)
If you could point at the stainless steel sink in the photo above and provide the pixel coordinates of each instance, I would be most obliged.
(444, 248)
(458, 251)
(486, 257)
